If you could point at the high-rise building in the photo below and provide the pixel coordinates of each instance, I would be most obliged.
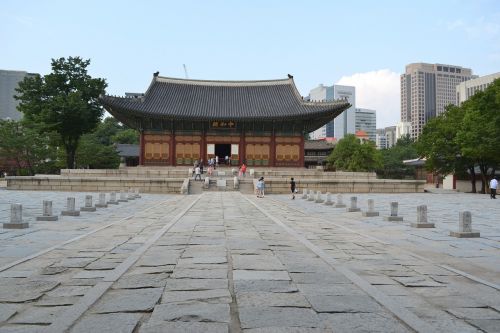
(403, 128)
(345, 122)
(366, 120)
(468, 88)
(426, 89)
(380, 141)
(390, 136)
(9, 81)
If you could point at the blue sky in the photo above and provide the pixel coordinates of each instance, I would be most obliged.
(366, 43)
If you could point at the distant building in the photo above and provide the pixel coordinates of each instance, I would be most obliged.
(468, 88)
(366, 120)
(316, 152)
(390, 136)
(343, 124)
(380, 140)
(9, 81)
(403, 128)
(426, 89)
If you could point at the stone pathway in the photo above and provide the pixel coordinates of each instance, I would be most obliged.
(226, 262)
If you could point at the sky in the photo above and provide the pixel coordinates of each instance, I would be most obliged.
(362, 43)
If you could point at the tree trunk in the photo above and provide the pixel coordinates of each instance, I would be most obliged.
(473, 179)
(484, 178)
(70, 158)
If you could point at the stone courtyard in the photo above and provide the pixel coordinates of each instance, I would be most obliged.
(230, 262)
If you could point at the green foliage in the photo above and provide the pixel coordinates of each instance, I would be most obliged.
(128, 135)
(465, 136)
(94, 155)
(351, 155)
(26, 146)
(64, 101)
(393, 158)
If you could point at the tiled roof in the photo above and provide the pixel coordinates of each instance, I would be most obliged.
(317, 145)
(127, 150)
(171, 98)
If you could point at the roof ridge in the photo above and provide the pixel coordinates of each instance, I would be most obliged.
(235, 83)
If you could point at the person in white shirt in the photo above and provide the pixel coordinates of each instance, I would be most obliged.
(197, 172)
(493, 187)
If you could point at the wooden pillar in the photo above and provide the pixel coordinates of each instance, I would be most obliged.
(203, 148)
(172, 148)
(302, 152)
(142, 147)
(242, 145)
(272, 157)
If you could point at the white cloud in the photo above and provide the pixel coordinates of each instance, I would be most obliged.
(377, 90)
(480, 27)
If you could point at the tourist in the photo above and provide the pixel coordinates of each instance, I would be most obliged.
(243, 169)
(210, 168)
(493, 187)
(201, 166)
(216, 160)
(227, 160)
(260, 187)
(197, 172)
(292, 188)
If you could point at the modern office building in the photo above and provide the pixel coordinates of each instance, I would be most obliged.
(380, 140)
(403, 128)
(366, 120)
(468, 88)
(9, 81)
(343, 124)
(390, 136)
(426, 90)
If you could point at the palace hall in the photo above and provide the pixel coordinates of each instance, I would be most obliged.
(260, 123)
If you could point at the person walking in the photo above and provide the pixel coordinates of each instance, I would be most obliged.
(493, 187)
(260, 187)
(243, 169)
(197, 172)
(216, 161)
(292, 188)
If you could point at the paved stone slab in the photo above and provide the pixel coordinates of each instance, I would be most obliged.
(344, 303)
(264, 316)
(57, 301)
(28, 291)
(184, 327)
(272, 286)
(196, 284)
(190, 312)
(256, 262)
(37, 315)
(7, 311)
(141, 281)
(128, 300)
(209, 296)
(260, 275)
(286, 329)
(116, 322)
(363, 322)
(62, 291)
(295, 300)
(200, 273)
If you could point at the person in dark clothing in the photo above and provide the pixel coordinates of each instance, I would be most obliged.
(292, 188)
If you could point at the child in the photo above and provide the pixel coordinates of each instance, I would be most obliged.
(292, 188)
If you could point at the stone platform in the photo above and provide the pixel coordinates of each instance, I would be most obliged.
(171, 180)
(227, 262)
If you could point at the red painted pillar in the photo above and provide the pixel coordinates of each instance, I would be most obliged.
(172, 148)
(241, 151)
(272, 153)
(203, 148)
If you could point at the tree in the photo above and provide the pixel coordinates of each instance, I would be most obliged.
(393, 158)
(25, 146)
(350, 155)
(64, 101)
(479, 135)
(94, 155)
(128, 135)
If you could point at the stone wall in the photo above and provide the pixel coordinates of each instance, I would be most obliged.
(280, 186)
(95, 184)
